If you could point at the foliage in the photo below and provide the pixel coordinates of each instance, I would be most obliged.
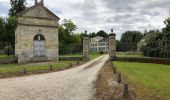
(92, 35)
(102, 34)
(158, 45)
(2, 28)
(129, 40)
(69, 42)
(16, 7)
(167, 28)
(8, 50)
(69, 26)
(7, 31)
(153, 78)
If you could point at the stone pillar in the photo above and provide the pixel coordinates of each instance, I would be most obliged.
(86, 47)
(112, 45)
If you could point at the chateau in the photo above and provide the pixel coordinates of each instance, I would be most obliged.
(99, 44)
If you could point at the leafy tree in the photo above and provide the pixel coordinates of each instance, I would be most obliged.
(2, 28)
(16, 7)
(167, 28)
(92, 35)
(129, 40)
(69, 26)
(9, 35)
(69, 41)
(102, 34)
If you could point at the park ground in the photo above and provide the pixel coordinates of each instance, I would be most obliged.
(148, 81)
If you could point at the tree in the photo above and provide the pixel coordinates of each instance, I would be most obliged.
(167, 28)
(16, 7)
(10, 25)
(92, 35)
(129, 40)
(69, 26)
(69, 41)
(2, 28)
(102, 34)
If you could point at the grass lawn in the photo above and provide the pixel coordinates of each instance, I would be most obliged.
(5, 56)
(148, 81)
(14, 68)
(71, 55)
(129, 54)
(92, 55)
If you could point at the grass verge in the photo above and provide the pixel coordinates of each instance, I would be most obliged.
(148, 81)
(7, 70)
(129, 54)
(6, 56)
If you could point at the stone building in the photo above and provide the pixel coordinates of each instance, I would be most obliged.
(36, 36)
(99, 44)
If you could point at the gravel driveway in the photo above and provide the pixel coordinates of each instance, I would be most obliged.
(72, 84)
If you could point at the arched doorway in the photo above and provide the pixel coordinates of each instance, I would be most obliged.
(39, 46)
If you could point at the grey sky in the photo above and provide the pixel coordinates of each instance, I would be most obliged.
(95, 15)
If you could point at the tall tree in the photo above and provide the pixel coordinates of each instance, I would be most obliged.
(69, 26)
(92, 35)
(167, 28)
(129, 40)
(2, 28)
(16, 7)
(102, 34)
(10, 26)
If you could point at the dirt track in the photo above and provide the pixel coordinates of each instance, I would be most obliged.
(72, 84)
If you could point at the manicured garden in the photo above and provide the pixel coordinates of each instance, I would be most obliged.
(148, 81)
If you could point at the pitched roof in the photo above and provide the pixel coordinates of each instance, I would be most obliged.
(38, 4)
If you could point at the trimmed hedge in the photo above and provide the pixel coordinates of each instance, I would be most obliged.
(144, 60)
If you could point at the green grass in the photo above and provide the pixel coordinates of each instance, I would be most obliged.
(92, 55)
(14, 68)
(71, 55)
(148, 81)
(6, 56)
(129, 54)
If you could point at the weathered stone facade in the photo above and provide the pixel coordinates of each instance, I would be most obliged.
(86, 41)
(36, 36)
(112, 45)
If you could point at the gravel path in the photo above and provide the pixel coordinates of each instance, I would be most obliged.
(72, 84)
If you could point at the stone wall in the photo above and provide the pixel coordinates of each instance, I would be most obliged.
(8, 61)
(112, 46)
(24, 42)
(86, 42)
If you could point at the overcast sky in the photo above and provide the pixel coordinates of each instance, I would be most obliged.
(95, 15)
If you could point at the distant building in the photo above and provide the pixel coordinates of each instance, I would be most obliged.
(99, 44)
